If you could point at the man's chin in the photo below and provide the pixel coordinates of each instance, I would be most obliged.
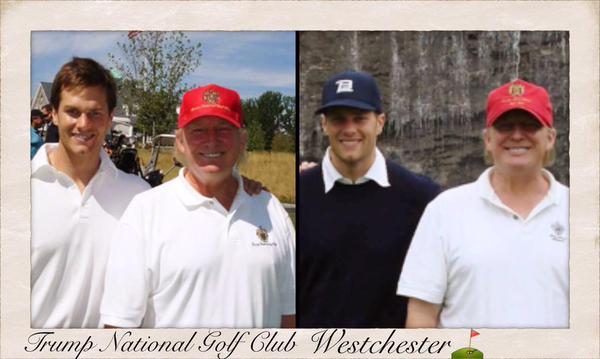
(84, 150)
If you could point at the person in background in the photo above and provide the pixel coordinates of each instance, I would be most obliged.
(495, 253)
(51, 130)
(35, 138)
(357, 216)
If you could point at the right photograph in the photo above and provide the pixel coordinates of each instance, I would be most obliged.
(433, 186)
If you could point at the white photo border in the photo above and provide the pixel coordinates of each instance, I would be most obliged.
(580, 18)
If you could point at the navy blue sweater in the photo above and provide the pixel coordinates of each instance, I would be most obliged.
(351, 246)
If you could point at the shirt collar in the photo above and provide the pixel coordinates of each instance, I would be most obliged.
(192, 198)
(377, 172)
(40, 163)
(486, 191)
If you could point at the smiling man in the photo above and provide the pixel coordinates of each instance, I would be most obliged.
(357, 215)
(198, 251)
(495, 253)
(77, 198)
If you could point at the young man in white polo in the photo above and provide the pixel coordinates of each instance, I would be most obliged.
(199, 252)
(77, 198)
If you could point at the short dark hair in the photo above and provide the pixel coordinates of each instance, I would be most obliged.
(36, 113)
(83, 72)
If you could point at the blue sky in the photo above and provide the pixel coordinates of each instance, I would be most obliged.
(249, 62)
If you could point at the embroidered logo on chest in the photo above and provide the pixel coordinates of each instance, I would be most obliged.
(263, 237)
(558, 231)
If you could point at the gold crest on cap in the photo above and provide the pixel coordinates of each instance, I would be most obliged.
(211, 96)
(262, 234)
(516, 90)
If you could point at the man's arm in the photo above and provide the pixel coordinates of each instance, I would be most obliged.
(422, 314)
(288, 321)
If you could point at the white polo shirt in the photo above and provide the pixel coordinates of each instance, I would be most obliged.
(181, 260)
(487, 266)
(70, 238)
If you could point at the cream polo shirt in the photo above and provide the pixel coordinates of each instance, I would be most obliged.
(70, 237)
(181, 260)
(377, 172)
(488, 267)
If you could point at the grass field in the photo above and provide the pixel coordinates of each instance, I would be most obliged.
(275, 170)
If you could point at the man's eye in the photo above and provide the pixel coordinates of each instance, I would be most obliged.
(73, 113)
(531, 127)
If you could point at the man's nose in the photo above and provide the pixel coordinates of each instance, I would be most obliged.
(517, 131)
(348, 125)
(84, 120)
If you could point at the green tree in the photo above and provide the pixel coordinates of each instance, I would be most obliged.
(269, 108)
(256, 137)
(153, 65)
(277, 114)
(287, 119)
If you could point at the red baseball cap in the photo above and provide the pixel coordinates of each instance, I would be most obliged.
(519, 95)
(211, 100)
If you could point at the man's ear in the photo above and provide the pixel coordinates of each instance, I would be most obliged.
(324, 123)
(110, 119)
(179, 141)
(551, 138)
(380, 122)
(54, 116)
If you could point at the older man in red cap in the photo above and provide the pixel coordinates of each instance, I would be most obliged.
(198, 251)
(495, 253)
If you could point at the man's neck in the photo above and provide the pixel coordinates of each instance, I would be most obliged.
(352, 170)
(222, 188)
(81, 169)
(520, 193)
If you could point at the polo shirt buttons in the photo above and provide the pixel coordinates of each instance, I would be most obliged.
(515, 217)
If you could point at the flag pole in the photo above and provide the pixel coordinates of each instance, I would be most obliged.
(470, 337)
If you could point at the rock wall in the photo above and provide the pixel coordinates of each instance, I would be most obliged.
(434, 86)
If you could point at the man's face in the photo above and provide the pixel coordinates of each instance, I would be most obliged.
(352, 134)
(36, 122)
(518, 141)
(83, 120)
(47, 115)
(211, 146)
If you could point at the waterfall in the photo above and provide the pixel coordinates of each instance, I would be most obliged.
(354, 51)
(395, 77)
(517, 51)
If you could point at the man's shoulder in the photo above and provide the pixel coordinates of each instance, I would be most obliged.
(312, 177)
(464, 195)
(406, 180)
(130, 182)
(312, 173)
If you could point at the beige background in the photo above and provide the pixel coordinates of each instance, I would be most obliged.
(580, 18)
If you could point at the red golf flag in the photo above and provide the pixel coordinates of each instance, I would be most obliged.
(474, 333)
(133, 34)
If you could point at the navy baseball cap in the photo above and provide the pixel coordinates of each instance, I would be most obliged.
(351, 89)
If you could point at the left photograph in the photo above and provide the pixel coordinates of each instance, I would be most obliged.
(163, 179)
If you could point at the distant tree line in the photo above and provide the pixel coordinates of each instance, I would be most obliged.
(271, 122)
